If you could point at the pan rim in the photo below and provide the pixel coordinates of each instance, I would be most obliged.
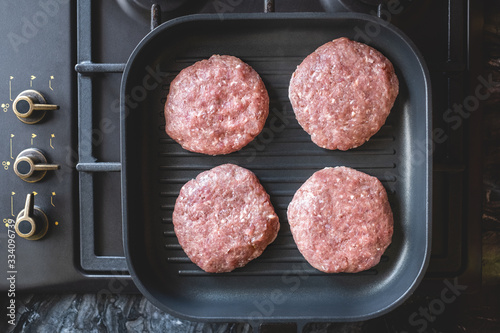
(200, 18)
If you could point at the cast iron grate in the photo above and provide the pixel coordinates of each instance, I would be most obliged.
(442, 38)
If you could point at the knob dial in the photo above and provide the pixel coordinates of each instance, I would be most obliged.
(30, 106)
(31, 165)
(31, 222)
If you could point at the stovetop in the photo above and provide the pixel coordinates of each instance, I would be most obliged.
(73, 53)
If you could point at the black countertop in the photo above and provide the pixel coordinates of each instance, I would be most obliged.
(469, 312)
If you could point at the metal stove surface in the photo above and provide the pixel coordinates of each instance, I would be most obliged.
(84, 251)
(37, 54)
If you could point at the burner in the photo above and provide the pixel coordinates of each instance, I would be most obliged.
(363, 6)
(402, 13)
(140, 10)
(373, 2)
(166, 5)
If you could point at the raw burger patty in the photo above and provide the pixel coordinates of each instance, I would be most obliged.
(341, 220)
(216, 106)
(342, 93)
(223, 218)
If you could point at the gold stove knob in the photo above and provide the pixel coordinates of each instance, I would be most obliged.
(31, 222)
(30, 106)
(31, 165)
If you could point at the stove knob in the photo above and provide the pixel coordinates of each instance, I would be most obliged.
(31, 165)
(31, 222)
(30, 106)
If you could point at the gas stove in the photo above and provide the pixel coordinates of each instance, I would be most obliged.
(60, 72)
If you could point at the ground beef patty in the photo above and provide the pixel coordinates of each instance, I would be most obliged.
(216, 106)
(342, 93)
(341, 220)
(223, 218)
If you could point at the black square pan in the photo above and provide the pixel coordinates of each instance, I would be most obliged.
(279, 286)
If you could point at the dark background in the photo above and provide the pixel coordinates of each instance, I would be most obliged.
(469, 312)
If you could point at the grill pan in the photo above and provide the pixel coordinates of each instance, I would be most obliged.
(280, 286)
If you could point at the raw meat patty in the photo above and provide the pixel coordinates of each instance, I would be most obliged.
(223, 218)
(342, 93)
(341, 220)
(216, 106)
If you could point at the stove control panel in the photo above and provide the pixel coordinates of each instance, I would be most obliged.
(38, 150)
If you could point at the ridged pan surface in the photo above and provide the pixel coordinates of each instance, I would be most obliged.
(280, 285)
